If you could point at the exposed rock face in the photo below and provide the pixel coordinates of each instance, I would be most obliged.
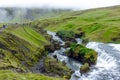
(83, 54)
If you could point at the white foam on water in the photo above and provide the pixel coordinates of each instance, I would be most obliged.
(106, 64)
(79, 41)
(116, 46)
(56, 38)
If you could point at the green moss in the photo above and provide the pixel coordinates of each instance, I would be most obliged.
(82, 53)
(56, 67)
(84, 68)
(66, 34)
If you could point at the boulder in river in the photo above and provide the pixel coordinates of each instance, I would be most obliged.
(83, 54)
(66, 35)
(54, 45)
(56, 68)
(84, 68)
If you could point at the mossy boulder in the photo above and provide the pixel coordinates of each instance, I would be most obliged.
(66, 35)
(83, 54)
(56, 68)
(67, 44)
(54, 45)
(84, 68)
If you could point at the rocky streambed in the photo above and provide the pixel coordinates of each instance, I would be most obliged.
(107, 66)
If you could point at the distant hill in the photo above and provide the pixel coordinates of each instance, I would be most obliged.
(20, 15)
(101, 24)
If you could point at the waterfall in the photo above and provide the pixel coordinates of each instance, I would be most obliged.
(108, 62)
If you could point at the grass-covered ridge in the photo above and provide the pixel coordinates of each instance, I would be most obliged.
(10, 75)
(20, 48)
(28, 34)
(101, 25)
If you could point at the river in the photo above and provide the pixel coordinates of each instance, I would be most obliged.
(108, 62)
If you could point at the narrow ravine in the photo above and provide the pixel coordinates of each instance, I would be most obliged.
(108, 63)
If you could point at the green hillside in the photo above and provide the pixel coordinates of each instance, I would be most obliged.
(28, 34)
(23, 45)
(102, 24)
(10, 75)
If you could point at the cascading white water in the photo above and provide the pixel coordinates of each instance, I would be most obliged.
(107, 67)
(79, 41)
(56, 38)
(108, 63)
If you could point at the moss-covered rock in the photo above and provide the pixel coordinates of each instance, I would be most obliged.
(67, 44)
(54, 45)
(84, 68)
(56, 68)
(82, 54)
(66, 35)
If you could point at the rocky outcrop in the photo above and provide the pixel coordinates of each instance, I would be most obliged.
(54, 45)
(54, 67)
(84, 68)
(66, 35)
(83, 54)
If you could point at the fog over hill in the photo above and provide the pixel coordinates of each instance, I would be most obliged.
(15, 15)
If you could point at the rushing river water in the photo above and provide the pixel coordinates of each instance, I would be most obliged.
(108, 63)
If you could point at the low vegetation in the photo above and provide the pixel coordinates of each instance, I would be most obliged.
(57, 68)
(83, 54)
(10, 75)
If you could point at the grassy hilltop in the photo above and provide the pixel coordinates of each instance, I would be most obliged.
(102, 24)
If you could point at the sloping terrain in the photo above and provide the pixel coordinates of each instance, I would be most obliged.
(10, 75)
(102, 24)
(20, 47)
(23, 45)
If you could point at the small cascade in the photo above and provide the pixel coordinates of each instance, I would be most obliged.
(107, 67)
(108, 63)
(56, 38)
(79, 41)
(71, 63)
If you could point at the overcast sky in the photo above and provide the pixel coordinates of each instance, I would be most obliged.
(74, 4)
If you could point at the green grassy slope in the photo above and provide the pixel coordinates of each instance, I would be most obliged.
(10, 75)
(20, 48)
(99, 24)
(29, 35)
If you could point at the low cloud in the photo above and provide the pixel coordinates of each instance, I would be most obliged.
(74, 4)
